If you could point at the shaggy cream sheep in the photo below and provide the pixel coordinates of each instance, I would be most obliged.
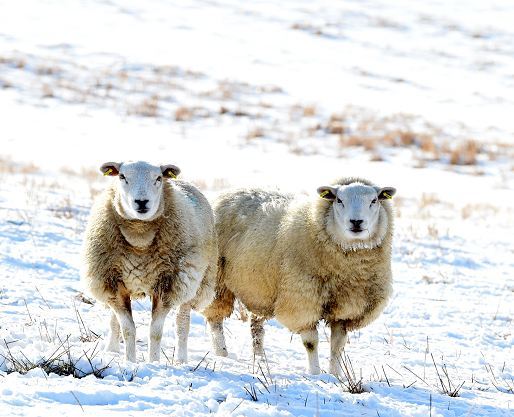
(148, 236)
(302, 262)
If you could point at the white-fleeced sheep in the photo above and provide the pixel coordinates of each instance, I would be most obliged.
(302, 262)
(149, 235)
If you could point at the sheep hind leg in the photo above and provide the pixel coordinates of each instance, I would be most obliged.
(310, 341)
(183, 321)
(221, 308)
(338, 338)
(257, 330)
(218, 337)
(114, 336)
(159, 312)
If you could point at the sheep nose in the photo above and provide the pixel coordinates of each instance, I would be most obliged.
(141, 204)
(356, 223)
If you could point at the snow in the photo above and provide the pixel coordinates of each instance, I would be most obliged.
(75, 76)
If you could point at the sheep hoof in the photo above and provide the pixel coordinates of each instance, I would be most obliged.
(221, 352)
(181, 361)
(314, 370)
(336, 371)
(259, 352)
(114, 348)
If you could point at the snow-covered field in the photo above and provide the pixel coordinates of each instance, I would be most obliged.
(284, 95)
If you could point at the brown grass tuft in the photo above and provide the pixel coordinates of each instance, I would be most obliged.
(8, 166)
(428, 200)
(465, 153)
(46, 91)
(255, 132)
(149, 107)
(183, 114)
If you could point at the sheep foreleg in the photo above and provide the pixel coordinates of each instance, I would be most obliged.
(159, 312)
(257, 329)
(338, 338)
(183, 320)
(114, 336)
(310, 341)
(121, 307)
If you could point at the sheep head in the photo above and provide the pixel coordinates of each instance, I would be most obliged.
(139, 191)
(356, 210)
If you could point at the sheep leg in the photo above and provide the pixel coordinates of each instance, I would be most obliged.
(257, 329)
(338, 338)
(114, 337)
(221, 308)
(310, 341)
(183, 321)
(121, 307)
(217, 337)
(159, 312)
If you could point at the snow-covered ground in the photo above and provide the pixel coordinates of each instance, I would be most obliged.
(285, 95)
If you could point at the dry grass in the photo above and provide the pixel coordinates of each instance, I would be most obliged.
(307, 27)
(64, 209)
(350, 381)
(440, 279)
(158, 87)
(148, 107)
(482, 210)
(335, 128)
(309, 111)
(9, 166)
(446, 384)
(427, 142)
(465, 153)
(299, 111)
(47, 91)
(428, 200)
(376, 157)
(501, 383)
(183, 114)
(255, 132)
(13, 61)
(433, 231)
(60, 362)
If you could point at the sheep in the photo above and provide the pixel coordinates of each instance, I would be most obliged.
(147, 236)
(301, 262)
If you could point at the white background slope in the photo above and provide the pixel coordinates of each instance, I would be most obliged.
(453, 255)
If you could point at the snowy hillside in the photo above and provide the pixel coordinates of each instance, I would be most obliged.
(285, 95)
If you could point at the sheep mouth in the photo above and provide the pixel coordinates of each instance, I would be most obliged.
(357, 230)
(142, 211)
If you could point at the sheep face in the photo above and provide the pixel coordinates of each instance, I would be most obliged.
(356, 209)
(139, 189)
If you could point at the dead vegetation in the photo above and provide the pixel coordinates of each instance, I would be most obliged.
(161, 92)
(350, 381)
(426, 147)
(10, 166)
(60, 362)
(255, 132)
(148, 107)
(135, 89)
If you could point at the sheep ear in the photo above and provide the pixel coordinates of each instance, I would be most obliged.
(110, 168)
(328, 193)
(386, 193)
(170, 171)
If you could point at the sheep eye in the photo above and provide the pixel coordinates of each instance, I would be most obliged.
(373, 201)
(339, 201)
(122, 177)
(159, 179)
